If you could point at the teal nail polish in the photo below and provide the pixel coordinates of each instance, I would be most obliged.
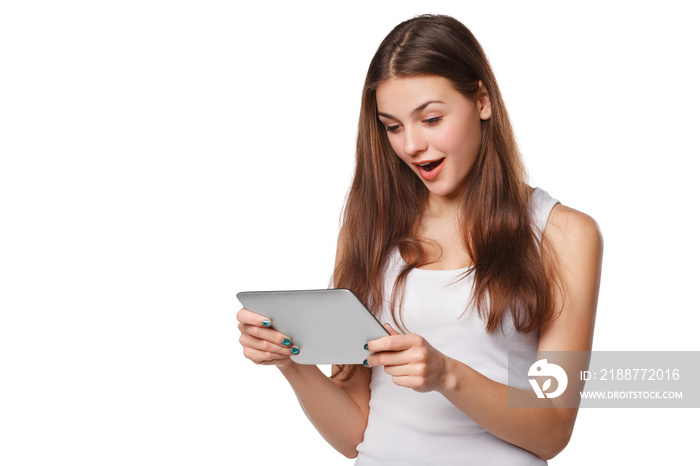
(286, 342)
(294, 350)
(366, 346)
(365, 363)
(266, 323)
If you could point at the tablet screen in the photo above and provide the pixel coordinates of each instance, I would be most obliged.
(328, 326)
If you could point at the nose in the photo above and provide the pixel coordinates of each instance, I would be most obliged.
(414, 142)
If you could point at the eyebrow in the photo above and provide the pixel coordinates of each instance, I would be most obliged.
(418, 109)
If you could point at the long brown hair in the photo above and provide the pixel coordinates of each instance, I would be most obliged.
(386, 198)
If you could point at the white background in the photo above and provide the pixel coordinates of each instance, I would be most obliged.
(158, 157)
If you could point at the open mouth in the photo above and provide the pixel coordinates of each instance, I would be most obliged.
(430, 166)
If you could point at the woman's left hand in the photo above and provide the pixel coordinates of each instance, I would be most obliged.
(410, 361)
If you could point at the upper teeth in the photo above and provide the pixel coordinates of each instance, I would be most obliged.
(424, 164)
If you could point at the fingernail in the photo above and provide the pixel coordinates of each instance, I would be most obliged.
(266, 323)
(294, 350)
(366, 346)
(365, 363)
(286, 342)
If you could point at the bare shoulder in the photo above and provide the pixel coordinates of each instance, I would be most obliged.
(577, 244)
(570, 230)
(565, 219)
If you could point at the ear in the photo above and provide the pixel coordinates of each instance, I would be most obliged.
(483, 102)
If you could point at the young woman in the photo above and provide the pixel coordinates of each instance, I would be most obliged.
(445, 242)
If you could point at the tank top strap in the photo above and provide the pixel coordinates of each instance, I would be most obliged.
(541, 205)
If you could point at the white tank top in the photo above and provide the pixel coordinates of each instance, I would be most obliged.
(410, 428)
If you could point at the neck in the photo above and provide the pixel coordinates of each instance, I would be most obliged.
(444, 206)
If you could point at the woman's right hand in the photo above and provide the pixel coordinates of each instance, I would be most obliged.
(261, 343)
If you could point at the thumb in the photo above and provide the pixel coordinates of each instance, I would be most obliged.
(391, 330)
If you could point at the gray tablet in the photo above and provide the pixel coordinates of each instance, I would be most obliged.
(328, 326)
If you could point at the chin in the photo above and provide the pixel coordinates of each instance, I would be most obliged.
(443, 192)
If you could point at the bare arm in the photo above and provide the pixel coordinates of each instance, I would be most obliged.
(545, 432)
(338, 409)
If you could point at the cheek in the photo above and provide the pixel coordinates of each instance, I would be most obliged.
(458, 139)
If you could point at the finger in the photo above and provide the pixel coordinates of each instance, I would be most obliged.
(391, 343)
(248, 317)
(390, 329)
(389, 358)
(409, 369)
(263, 357)
(267, 334)
(248, 341)
(409, 381)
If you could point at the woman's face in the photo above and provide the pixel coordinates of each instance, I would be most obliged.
(433, 128)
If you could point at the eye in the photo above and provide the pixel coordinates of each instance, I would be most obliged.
(432, 121)
(392, 128)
